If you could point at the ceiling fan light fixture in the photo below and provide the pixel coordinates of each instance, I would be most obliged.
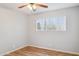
(29, 6)
(32, 7)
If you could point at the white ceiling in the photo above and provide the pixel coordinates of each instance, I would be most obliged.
(51, 6)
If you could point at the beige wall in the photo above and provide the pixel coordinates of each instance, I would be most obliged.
(65, 41)
(13, 30)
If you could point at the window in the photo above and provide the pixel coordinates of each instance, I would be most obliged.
(55, 23)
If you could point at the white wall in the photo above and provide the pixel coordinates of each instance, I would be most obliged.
(17, 30)
(13, 30)
(65, 41)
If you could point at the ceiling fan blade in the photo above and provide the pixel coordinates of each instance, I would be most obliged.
(42, 5)
(22, 6)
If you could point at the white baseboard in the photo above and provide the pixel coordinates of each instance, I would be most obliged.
(55, 49)
(39, 47)
(14, 50)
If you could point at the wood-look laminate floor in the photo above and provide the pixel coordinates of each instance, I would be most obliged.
(34, 51)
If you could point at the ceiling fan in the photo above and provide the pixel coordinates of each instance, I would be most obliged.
(33, 6)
